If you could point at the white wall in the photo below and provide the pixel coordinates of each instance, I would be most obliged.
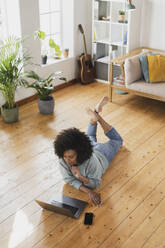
(83, 16)
(152, 28)
(13, 17)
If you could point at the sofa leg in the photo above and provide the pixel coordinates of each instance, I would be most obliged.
(110, 93)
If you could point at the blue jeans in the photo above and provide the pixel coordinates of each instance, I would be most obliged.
(109, 148)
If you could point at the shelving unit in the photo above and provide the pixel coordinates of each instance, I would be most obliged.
(111, 37)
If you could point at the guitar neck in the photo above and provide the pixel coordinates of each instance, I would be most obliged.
(85, 47)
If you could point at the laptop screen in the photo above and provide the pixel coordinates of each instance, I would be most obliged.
(63, 205)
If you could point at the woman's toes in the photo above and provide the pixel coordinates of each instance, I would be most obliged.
(102, 102)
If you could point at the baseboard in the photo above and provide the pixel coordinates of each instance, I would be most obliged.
(58, 87)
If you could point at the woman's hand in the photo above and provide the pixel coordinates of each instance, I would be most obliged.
(95, 197)
(76, 171)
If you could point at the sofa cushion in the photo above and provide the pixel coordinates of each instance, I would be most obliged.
(156, 68)
(144, 66)
(156, 89)
(132, 69)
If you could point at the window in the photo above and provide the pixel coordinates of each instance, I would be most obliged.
(3, 26)
(51, 22)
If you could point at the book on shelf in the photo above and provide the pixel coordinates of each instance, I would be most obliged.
(118, 80)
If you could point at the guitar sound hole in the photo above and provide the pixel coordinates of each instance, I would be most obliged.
(88, 64)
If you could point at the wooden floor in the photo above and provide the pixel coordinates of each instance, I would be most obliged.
(133, 189)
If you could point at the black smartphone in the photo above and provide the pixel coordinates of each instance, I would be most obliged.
(88, 220)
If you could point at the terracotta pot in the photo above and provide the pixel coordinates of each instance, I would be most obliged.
(122, 18)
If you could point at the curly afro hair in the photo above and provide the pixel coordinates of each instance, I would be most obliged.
(76, 140)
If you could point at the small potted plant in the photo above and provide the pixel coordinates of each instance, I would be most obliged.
(56, 48)
(130, 5)
(44, 88)
(44, 57)
(41, 36)
(12, 59)
(53, 46)
(122, 15)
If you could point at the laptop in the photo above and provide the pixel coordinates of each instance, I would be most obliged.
(64, 205)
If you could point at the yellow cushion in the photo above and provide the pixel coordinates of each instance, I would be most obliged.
(156, 68)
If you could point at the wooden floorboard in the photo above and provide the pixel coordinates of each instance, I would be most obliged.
(132, 214)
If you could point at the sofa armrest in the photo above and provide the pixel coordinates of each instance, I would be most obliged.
(121, 59)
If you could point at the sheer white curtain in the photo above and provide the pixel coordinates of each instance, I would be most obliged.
(3, 21)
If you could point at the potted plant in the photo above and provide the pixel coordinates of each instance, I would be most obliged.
(53, 46)
(44, 57)
(122, 15)
(12, 60)
(41, 36)
(44, 88)
(130, 5)
(56, 48)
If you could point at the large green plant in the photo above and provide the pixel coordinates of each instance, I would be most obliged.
(43, 86)
(12, 61)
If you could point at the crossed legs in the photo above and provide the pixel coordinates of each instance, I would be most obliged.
(95, 116)
(111, 147)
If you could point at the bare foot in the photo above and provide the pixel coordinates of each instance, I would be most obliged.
(93, 115)
(102, 102)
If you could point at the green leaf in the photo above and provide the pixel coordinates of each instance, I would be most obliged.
(32, 75)
(41, 35)
(52, 43)
(12, 60)
(63, 78)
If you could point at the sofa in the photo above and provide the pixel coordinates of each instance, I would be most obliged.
(132, 78)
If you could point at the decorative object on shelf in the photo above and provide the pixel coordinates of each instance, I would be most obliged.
(66, 53)
(12, 59)
(105, 18)
(122, 15)
(125, 38)
(94, 36)
(44, 88)
(130, 5)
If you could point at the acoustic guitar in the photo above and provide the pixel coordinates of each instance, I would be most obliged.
(86, 68)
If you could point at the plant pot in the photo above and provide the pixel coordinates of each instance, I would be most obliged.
(44, 59)
(46, 106)
(9, 115)
(66, 53)
(122, 18)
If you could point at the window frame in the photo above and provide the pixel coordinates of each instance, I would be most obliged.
(50, 35)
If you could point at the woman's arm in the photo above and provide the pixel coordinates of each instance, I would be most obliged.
(76, 172)
(93, 196)
(69, 177)
(89, 181)
(77, 183)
